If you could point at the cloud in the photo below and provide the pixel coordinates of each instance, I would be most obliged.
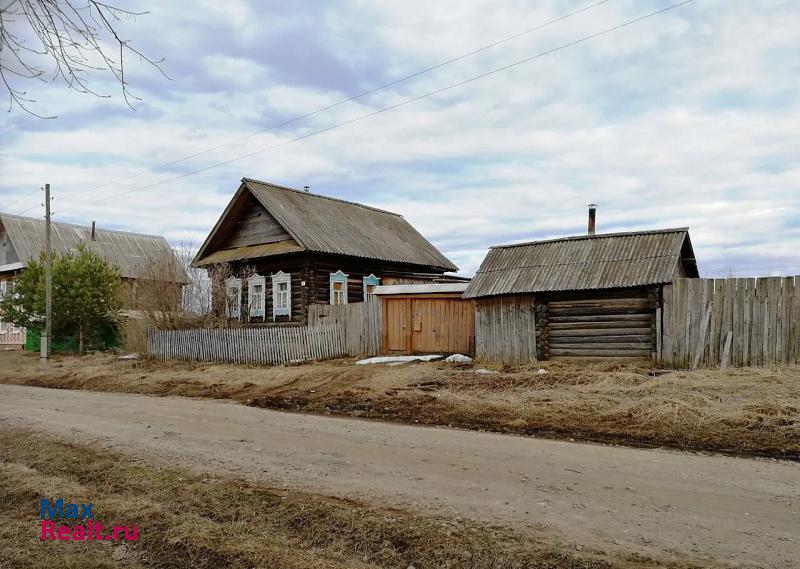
(685, 119)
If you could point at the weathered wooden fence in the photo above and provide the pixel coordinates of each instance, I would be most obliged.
(737, 321)
(273, 345)
(360, 323)
(505, 329)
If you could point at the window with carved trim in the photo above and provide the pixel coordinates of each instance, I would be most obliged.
(281, 294)
(370, 284)
(233, 297)
(338, 291)
(256, 295)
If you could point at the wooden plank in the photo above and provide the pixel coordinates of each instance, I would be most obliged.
(702, 338)
(644, 353)
(644, 338)
(598, 332)
(666, 329)
(644, 317)
(726, 351)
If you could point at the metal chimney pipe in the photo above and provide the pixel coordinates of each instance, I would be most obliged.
(592, 217)
(93, 229)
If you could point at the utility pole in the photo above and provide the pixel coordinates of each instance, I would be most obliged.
(48, 281)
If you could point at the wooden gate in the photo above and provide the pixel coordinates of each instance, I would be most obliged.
(428, 324)
(619, 324)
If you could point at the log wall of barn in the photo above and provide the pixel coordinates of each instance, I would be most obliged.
(595, 324)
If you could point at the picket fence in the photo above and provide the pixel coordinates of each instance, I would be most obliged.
(265, 346)
(730, 322)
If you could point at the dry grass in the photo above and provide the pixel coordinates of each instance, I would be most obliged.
(189, 520)
(750, 411)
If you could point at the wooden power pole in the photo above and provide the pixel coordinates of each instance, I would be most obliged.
(48, 281)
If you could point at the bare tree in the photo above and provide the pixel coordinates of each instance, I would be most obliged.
(78, 37)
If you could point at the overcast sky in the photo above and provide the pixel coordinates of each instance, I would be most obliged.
(690, 118)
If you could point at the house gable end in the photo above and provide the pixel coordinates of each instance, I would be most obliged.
(245, 224)
(8, 254)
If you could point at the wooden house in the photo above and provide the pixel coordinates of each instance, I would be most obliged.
(284, 250)
(142, 260)
(585, 296)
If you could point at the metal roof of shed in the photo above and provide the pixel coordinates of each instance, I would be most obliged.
(610, 260)
(134, 254)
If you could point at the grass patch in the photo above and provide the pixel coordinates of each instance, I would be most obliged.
(746, 411)
(190, 520)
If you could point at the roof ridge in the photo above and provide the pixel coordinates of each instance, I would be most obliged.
(596, 236)
(305, 193)
(87, 227)
(575, 263)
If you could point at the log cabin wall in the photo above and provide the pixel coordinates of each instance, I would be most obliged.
(310, 280)
(611, 323)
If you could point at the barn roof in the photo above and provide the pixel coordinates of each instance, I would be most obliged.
(324, 224)
(134, 254)
(610, 260)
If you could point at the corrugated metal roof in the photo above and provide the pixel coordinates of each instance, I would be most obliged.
(134, 254)
(250, 252)
(577, 263)
(328, 225)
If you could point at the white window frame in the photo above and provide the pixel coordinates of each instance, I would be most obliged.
(253, 310)
(278, 279)
(371, 280)
(338, 277)
(236, 310)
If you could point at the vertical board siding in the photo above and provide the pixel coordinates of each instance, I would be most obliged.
(360, 323)
(505, 329)
(751, 321)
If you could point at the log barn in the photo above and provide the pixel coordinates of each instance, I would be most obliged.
(584, 296)
(284, 250)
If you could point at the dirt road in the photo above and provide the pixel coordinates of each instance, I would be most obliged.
(664, 503)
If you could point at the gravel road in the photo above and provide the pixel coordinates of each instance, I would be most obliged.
(663, 503)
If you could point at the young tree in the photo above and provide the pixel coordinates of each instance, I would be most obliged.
(85, 297)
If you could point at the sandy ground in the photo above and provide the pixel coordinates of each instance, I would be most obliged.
(666, 504)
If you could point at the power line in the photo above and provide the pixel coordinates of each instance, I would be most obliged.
(26, 196)
(347, 100)
(400, 104)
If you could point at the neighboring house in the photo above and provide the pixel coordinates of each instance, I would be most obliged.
(141, 260)
(287, 249)
(585, 296)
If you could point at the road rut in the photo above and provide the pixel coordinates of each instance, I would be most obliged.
(658, 502)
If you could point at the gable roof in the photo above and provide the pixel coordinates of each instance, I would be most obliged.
(324, 224)
(134, 254)
(610, 260)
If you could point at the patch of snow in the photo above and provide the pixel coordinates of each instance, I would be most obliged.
(133, 356)
(541, 371)
(486, 372)
(458, 359)
(398, 359)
